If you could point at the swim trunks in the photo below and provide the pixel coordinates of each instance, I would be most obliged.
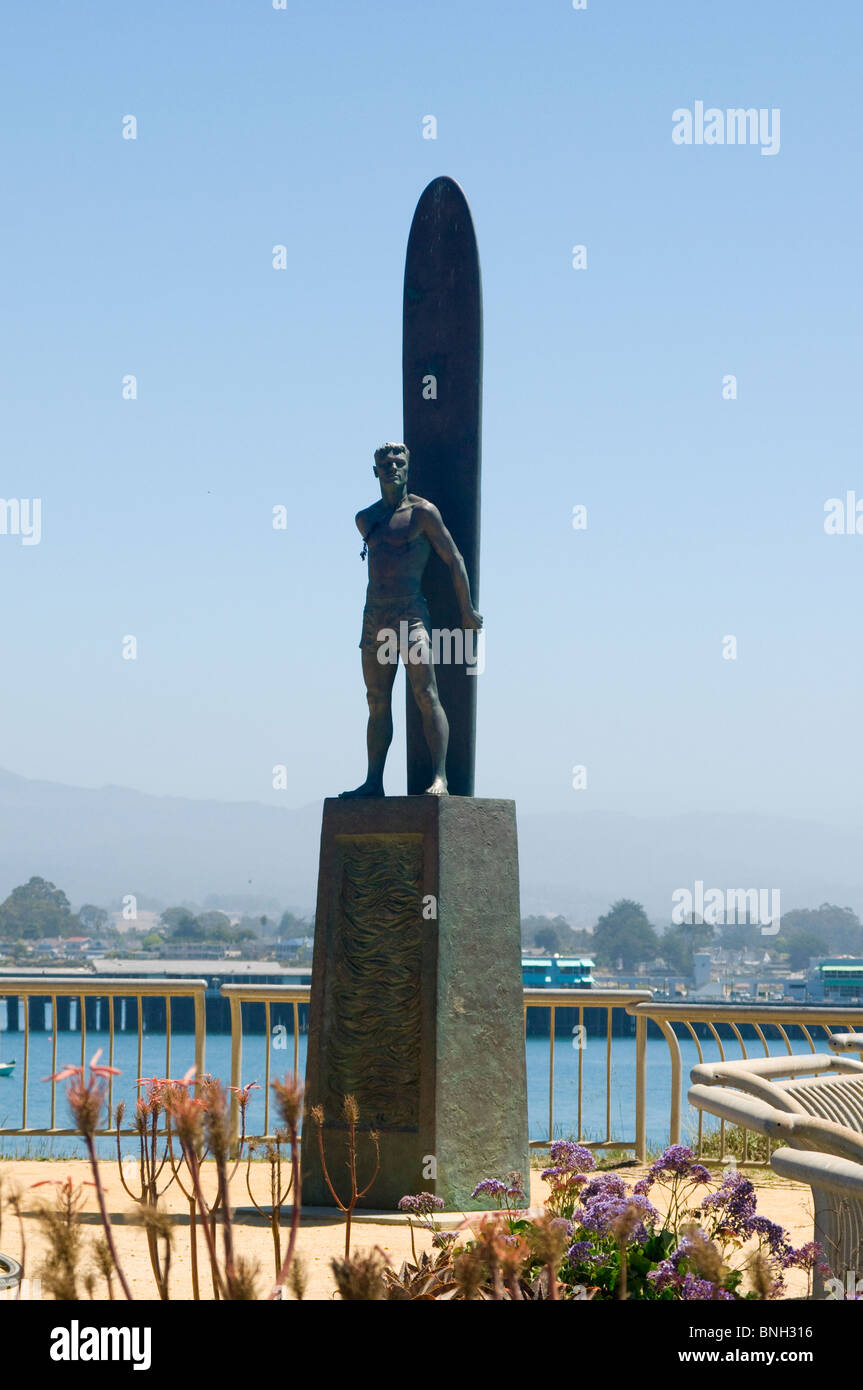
(381, 614)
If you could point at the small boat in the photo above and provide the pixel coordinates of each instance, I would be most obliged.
(6, 1067)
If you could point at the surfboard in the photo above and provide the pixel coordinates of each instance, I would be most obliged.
(442, 398)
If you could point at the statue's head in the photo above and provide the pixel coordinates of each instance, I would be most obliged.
(391, 463)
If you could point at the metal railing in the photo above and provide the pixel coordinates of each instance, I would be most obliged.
(237, 996)
(637, 1004)
(604, 1001)
(757, 1017)
(13, 988)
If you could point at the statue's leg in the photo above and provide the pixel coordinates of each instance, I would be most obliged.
(421, 674)
(379, 677)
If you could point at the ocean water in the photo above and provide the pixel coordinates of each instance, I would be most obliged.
(155, 1062)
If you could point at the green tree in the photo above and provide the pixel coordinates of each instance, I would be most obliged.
(292, 926)
(677, 945)
(180, 922)
(624, 934)
(214, 926)
(93, 919)
(186, 931)
(214, 921)
(534, 933)
(800, 944)
(547, 939)
(37, 909)
(740, 936)
(838, 927)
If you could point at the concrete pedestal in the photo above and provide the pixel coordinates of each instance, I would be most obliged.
(416, 1000)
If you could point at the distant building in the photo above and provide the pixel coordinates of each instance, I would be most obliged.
(286, 949)
(556, 972)
(711, 990)
(66, 947)
(196, 950)
(143, 921)
(838, 979)
(260, 972)
(703, 961)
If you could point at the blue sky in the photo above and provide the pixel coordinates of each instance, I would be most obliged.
(258, 387)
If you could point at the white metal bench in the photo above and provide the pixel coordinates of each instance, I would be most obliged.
(813, 1106)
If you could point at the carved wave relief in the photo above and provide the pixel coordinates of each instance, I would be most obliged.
(375, 1016)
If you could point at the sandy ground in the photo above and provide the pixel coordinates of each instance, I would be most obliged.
(321, 1234)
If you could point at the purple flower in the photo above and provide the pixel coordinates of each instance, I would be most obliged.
(668, 1275)
(563, 1177)
(694, 1289)
(677, 1158)
(515, 1185)
(493, 1187)
(774, 1235)
(603, 1211)
(580, 1251)
(560, 1223)
(603, 1185)
(675, 1162)
(698, 1173)
(733, 1205)
(423, 1204)
(807, 1257)
(665, 1276)
(567, 1154)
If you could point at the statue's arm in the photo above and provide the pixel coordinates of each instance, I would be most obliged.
(445, 546)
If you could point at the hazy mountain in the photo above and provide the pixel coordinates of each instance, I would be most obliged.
(577, 863)
(101, 844)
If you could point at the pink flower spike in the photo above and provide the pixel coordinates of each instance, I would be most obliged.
(60, 1182)
(64, 1073)
(94, 1059)
(104, 1071)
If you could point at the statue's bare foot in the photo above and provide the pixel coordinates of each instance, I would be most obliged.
(437, 788)
(369, 788)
